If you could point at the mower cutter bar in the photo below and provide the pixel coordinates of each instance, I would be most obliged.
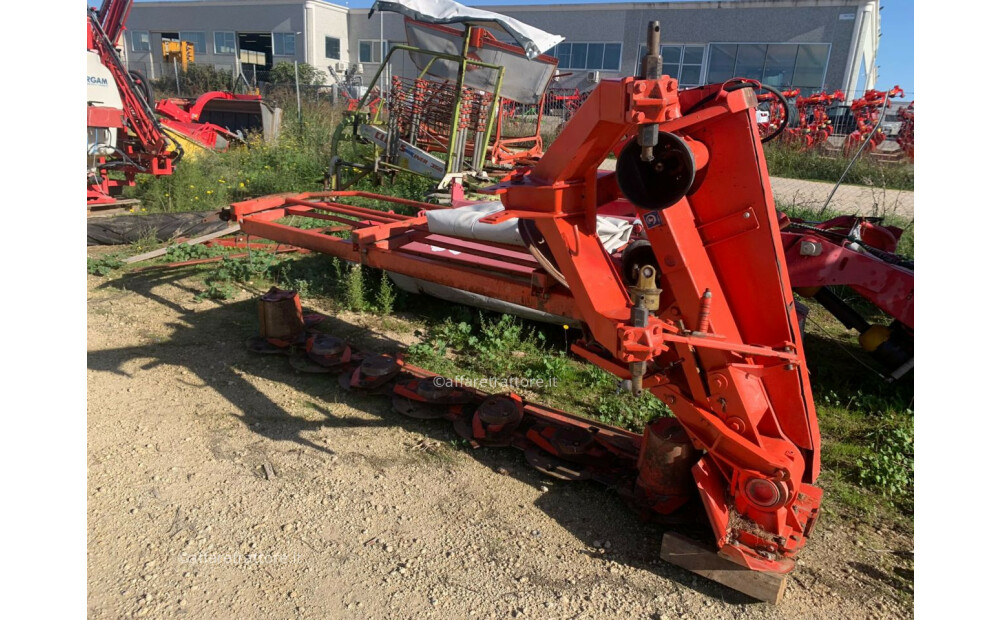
(557, 443)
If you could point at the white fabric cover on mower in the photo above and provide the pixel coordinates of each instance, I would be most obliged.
(533, 40)
(463, 222)
(454, 295)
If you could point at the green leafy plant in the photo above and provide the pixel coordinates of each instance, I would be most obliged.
(425, 351)
(784, 160)
(458, 335)
(258, 266)
(628, 411)
(104, 265)
(218, 289)
(312, 276)
(182, 252)
(594, 377)
(888, 464)
(548, 366)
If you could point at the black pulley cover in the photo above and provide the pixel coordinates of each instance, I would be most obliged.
(658, 183)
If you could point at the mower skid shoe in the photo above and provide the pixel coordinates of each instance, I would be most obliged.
(725, 520)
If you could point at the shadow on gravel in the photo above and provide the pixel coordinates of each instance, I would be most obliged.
(210, 345)
(901, 579)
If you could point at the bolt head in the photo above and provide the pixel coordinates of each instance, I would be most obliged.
(810, 248)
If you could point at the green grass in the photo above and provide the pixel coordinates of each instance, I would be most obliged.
(208, 180)
(784, 160)
(461, 342)
(297, 162)
(856, 410)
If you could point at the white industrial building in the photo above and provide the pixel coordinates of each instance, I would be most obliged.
(810, 44)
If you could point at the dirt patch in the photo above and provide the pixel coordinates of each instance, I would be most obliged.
(349, 519)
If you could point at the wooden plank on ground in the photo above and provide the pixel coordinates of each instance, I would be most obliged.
(202, 239)
(705, 561)
(109, 209)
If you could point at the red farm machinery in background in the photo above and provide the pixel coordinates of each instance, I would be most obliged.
(774, 114)
(215, 120)
(814, 124)
(471, 102)
(819, 116)
(858, 253)
(905, 136)
(564, 102)
(868, 111)
(694, 305)
(124, 136)
(852, 251)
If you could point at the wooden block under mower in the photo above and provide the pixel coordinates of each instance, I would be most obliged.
(705, 561)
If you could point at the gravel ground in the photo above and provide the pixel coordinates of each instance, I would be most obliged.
(365, 513)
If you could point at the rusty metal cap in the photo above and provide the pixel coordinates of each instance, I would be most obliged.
(499, 410)
(378, 366)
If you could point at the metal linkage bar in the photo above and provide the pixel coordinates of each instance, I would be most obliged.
(403, 244)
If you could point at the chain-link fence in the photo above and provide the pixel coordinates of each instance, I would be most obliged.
(175, 78)
(178, 79)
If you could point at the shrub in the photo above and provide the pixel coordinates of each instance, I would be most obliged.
(888, 465)
(284, 73)
(354, 289)
(385, 297)
(194, 80)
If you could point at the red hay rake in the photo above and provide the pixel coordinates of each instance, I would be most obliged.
(867, 110)
(905, 137)
(814, 125)
(822, 115)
